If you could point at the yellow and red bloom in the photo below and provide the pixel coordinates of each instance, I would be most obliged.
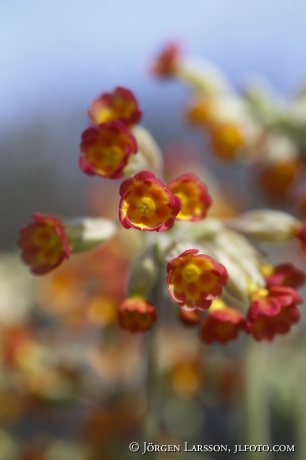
(136, 314)
(222, 324)
(283, 275)
(193, 195)
(120, 105)
(44, 243)
(195, 280)
(226, 140)
(105, 149)
(167, 63)
(272, 312)
(147, 204)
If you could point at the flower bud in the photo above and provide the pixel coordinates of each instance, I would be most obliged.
(143, 275)
(86, 233)
(149, 156)
(265, 225)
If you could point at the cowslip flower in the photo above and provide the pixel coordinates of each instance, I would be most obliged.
(167, 63)
(278, 177)
(226, 140)
(222, 323)
(136, 314)
(120, 105)
(44, 243)
(283, 275)
(105, 149)
(147, 204)
(272, 311)
(195, 280)
(193, 195)
(189, 318)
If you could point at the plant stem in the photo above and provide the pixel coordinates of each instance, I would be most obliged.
(300, 403)
(151, 426)
(256, 408)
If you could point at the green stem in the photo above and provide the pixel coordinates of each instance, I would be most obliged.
(300, 402)
(256, 407)
(151, 426)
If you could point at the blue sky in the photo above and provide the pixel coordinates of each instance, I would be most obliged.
(54, 52)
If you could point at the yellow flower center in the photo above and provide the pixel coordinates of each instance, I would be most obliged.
(146, 206)
(182, 197)
(113, 155)
(259, 294)
(191, 273)
(266, 269)
(217, 304)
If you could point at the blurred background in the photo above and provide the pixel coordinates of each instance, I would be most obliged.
(55, 58)
(72, 385)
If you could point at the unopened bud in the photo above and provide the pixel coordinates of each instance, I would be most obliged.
(143, 275)
(265, 225)
(148, 157)
(88, 233)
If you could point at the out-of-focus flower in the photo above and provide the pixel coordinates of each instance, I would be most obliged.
(276, 178)
(147, 204)
(226, 140)
(272, 312)
(200, 110)
(166, 64)
(105, 149)
(298, 200)
(189, 318)
(193, 195)
(222, 323)
(187, 376)
(283, 275)
(136, 314)
(44, 243)
(300, 232)
(195, 280)
(86, 289)
(120, 105)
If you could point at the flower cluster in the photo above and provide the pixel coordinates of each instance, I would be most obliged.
(216, 278)
(257, 128)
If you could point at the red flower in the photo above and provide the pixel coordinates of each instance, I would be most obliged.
(166, 64)
(105, 149)
(120, 105)
(136, 315)
(277, 178)
(194, 197)
(284, 275)
(222, 324)
(189, 318)
(272, 312)
(147, 204)
(300, 233)
(194, 280)
(44, 243)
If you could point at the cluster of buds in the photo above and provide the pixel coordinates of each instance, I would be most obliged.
(214, 276)
(256, 128)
